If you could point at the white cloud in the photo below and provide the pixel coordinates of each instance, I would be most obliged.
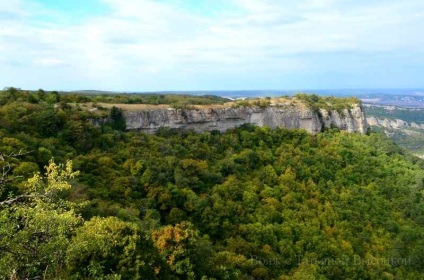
(50, 62)
(153, 38)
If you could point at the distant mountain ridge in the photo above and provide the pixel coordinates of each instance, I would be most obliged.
(393, 123)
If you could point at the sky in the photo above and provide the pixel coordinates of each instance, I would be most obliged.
(160, 45)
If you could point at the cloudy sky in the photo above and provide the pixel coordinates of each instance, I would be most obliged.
(148, 45)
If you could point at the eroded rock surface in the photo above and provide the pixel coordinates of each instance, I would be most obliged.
(222, 119)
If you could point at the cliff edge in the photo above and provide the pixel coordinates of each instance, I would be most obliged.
(289, 114)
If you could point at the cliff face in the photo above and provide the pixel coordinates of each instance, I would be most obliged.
(393, 124)
(222, 119)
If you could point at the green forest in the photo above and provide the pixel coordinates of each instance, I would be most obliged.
(80, 201)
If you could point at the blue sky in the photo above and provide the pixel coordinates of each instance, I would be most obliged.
(150, 45)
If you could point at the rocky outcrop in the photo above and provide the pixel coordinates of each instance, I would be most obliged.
(351, 120)
(393, 124)
(222, 119)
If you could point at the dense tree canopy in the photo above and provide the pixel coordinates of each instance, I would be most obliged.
(251, 202)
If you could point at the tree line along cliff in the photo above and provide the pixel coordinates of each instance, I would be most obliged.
(148, 113)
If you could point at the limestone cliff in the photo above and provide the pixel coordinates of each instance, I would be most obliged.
(393, 124)
(223, 118)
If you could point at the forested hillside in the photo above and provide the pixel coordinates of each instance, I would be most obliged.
(251, 203)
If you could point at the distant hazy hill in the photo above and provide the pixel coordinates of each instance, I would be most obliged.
(404, 125)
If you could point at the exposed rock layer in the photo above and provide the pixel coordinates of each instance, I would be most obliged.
(394, 124)
(222, 119)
